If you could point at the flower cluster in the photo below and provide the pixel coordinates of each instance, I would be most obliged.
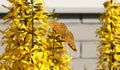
(109, 34)
(31, 42)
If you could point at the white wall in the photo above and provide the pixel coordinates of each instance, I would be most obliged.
(69, 6)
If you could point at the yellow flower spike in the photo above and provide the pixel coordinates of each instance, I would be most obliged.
(32, 46)
(109, 36)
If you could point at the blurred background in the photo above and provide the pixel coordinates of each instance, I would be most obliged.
(81, 17)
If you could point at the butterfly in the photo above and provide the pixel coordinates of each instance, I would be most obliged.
(62, 29)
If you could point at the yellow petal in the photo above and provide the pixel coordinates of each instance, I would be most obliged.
(38, 1)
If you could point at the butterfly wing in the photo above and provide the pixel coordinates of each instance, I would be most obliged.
(61, 28)
(69, 38)
(53, 24)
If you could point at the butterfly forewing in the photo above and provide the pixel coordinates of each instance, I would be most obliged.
(69, 38)
(59, 27)
(62, 28)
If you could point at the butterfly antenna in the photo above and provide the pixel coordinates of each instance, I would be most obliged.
(54, 15)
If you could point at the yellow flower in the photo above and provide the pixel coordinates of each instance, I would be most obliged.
(38, 1)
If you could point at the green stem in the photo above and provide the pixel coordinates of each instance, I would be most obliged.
(112, 47)
(32, 24)
(53, 41)
(111, 1)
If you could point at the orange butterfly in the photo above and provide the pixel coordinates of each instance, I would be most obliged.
(62, 29)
